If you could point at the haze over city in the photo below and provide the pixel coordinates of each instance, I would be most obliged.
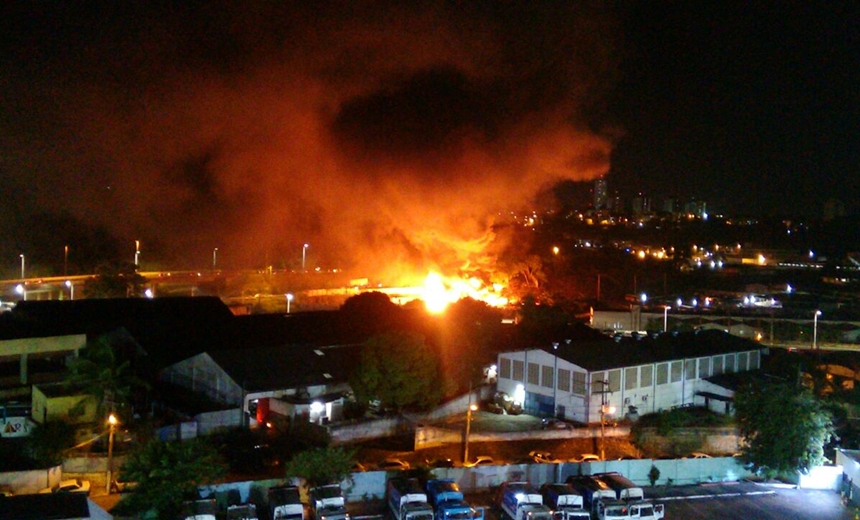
(389, 138)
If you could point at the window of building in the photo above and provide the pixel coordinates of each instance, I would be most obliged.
(563, 380)
(534, 374)
(546, 376)
(677, 371)
(704, 368)
(754, 360)
(504, 368)
(662, 373)
(579, 383)
(597, 379)
(646, 374)
(615, 380)
(631, 378)
(717, 365)
(689, 369)
(517, 370)
(730, 363)
(742, 362)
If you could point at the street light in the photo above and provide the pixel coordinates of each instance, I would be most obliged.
(136, 252)
(289, 297)
(71, 287)
(604, 409)
(21, 290)
(23, 276)
(65, 260)
(214, 258)
(666, 317)
(112, 422)
(815, 329)
(469, 410)
(304, 254)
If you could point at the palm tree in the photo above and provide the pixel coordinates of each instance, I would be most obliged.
(100, 372)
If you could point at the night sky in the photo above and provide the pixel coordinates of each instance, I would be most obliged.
(389, 132)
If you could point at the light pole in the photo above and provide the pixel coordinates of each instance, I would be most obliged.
(304, 255)
(289, 297)
(136, 252)
(469, 411)
(112, 422)
(65, 260)
(23, 269)
(666, 318)
(71, 287)
(214, 258)
(815, 329)
(604, 409)
(555, 379)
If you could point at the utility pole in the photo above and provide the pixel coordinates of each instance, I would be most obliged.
(603, 411)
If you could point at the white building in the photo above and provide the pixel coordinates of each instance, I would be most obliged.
(575, 380)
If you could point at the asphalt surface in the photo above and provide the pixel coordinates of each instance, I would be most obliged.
(729, 501)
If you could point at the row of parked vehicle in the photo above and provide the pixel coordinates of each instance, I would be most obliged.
(284, 503)
(603, 496)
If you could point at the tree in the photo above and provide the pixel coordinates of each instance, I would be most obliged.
(48, 442)
(115, 280)
(321, 466)
(784, 427)
(400, 370)
(167, 474)
(101, 372)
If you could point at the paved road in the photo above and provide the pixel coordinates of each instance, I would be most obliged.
(762, 503)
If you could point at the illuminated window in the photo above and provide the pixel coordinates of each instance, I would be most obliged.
(730, 363)
(718, 365)
(690, 369)
(597, 380)
(615, 380)
(662, 373)
(504, 368)
(518, 370)
(742, 361)
(534, 374)
(563, 380)
(704, 367)
(677, 371)
(631, 378)
(546, 376)
(645, 375)
(579, 383)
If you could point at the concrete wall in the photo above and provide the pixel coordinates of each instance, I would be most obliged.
(28, 482)
(363, 430)
(371, 484)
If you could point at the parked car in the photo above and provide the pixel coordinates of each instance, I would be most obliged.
(698, 455)
(395, 464)
(72, 485)
(480, 460)
(440, 463)
(587, 457)
(541, 456)
(555, 424)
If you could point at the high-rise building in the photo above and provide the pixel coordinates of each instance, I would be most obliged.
(641, 205)
(600, 188)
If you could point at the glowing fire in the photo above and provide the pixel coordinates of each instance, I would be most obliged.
(439, 292)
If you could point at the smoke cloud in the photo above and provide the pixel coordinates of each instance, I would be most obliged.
(387, 137)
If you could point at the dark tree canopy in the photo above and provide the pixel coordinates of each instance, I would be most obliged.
(400, 370)
(784, 427)
(168, 473)
(321, 466)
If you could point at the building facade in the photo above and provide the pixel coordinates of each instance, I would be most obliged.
(585, 383)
